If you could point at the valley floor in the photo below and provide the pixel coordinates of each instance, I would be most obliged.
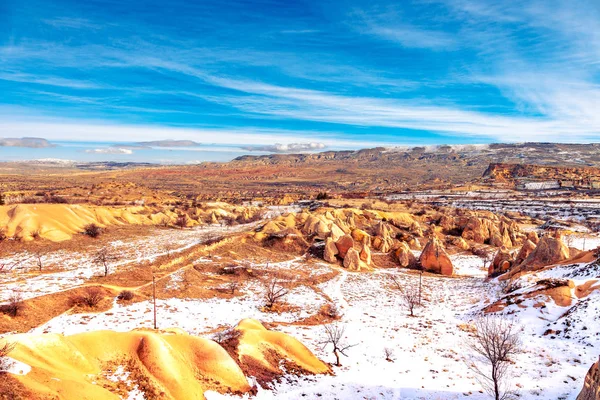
(429, 349)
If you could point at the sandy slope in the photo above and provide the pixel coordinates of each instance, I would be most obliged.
(167, 365)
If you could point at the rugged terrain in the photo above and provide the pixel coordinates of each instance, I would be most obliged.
(174, 278)
(373, 171)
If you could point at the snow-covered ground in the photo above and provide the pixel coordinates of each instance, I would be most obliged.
(77, 267)
(429, 350)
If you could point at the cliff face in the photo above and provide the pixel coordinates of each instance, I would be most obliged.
(564, 176)
(591, 386)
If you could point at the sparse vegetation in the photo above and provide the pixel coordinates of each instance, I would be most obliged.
(14, 304)
(104, 257)
(5, 350)
(274, 291)
(92, 230)
(332, 311)
(181, 221)
(410, 295)
(334, 335)
(388, 352)
(232, 287)
(494, 342)
(226, 335)
(126, 295)
(91, 297)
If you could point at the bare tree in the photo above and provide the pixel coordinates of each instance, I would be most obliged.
(181, 221)
(233, 286)
(274, 292)
(104, 257)
(168, 247)
(38, 259)
(494, 342)
(389, 354)
(334, 336)
(410, 295)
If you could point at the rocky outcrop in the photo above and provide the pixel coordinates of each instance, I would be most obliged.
(502, 262)
(331, 251)
(435, 259)
(352, 260)
(526, 250)
(591, 386)
(549, 251)
(344, 244)
(533, 237)
(404, 256)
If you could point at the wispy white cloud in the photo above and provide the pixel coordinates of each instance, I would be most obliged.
(48, 80)
(110, 150)
(287, 148)
(412, 37)
(72, 23)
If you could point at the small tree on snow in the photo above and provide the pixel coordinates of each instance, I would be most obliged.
(334, 336)
(274, 292)
(104, 257)
(494, 343)
(410, 295)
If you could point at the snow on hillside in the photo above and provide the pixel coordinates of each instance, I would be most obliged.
(429, 350)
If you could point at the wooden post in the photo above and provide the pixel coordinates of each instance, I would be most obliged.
(420, 284)
(154, 297)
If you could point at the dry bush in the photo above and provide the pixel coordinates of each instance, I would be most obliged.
(5, 349)
(493, 344)
(332, 311)
(92, 230)
(14, 304)
(226, 335)
(232, 287)
(126, 295)
(334, 336)
(389, 354)
(104, 257)
(274, 292)
(410, 295)
(91, 297)
(2, 235)
(181, 221)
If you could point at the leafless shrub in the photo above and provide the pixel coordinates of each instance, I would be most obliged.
(164, 221)
(38, 259)
(411, 298)
(90, 297)
(494, 342)
(274, 292)
(168, 248)
(5, 349)
(226, 335)
(92, 230)
(181, 221)
(389, 354)
(232, 287)
(334, 336)
(126, 295)
(14, 304)
(509, 286)
(332, 311)
(104, 257)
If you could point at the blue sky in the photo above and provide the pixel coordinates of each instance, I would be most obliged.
(345, 74)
